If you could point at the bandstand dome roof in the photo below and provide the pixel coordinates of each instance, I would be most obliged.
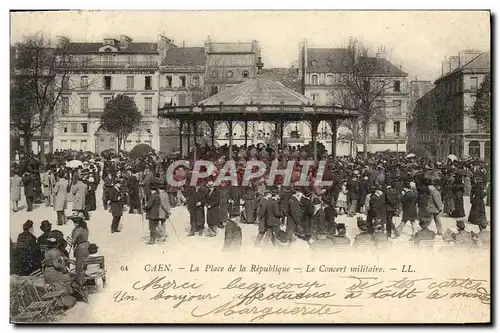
(257, 91)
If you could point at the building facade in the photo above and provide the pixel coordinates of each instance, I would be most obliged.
(323, 71)
(182, 82)
(114, 66)
(228, 64)
(441, 120)
(417, 89)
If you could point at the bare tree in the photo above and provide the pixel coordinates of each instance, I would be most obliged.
(43, 71)
(362, 84)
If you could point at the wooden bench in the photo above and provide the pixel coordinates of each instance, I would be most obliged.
(97, 260)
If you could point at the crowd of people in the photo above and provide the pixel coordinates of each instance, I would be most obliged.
(373, 190)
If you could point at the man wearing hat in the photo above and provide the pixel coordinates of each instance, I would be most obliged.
(424, 233)
(262, 215)
(484, 235)
(116, 208)
(79, 191)
(295, 214)
(152, 210)
(463, 239)
(341, 239)
(363, 238)
(213, 209)
(271, 216)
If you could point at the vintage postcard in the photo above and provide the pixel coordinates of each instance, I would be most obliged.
(250, 167)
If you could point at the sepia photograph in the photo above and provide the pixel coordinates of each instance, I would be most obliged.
(250, 166)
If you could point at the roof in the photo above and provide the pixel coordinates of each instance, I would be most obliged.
(231, 48)
(258, 91)
(289, 77)
(185, 56)
(480, 63)
(331, 60)
(133, 47)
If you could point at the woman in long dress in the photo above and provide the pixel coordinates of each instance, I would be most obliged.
(342, 199)
(27, 252)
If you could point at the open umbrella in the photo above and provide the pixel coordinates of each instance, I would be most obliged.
(74, 164)
(452, 157)
(411, 155)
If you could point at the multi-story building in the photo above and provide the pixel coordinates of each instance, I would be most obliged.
(441, 120)
(322, 71)
(108, 68)
(228, 64)
(182, 76)
(417, 89)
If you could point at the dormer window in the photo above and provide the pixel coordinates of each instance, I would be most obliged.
(314, 63)
(109, 41)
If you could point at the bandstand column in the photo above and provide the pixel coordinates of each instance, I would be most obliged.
(230, 127)
(181, 125)
(189, 137)
(246, 132)
(195, 130)
(212, 131)
(282, 128)
(333, 125)
(314, 134)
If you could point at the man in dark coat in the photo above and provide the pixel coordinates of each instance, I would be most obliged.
(152, 210)
(391, 205)
(116, 207)
(272, 217)
(29, 190)
(232, 237)
(424, 233)
(352, 195)
(262, 216)
(409, 202)
(295, 215)
(363, 239)
(135, 202)
(341, 239)
(108, 184)
(376, 210)
(196, 196)
(363, 192)
(213, 211)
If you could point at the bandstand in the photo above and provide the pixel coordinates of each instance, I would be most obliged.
(259, 100)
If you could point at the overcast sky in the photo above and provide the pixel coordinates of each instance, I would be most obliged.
(418, 41)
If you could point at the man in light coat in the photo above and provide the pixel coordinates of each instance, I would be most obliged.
(164, 212)
(435, 207)
(60, 196)
(48, 180)
(15, 190)
(79, 191)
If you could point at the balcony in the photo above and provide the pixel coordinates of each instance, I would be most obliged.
(121, 64)
(391, 137)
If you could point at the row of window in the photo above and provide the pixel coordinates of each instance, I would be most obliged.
(331, 79)
(107, 83)
(183, 81)
(381, 129)
(83, 128)
(74, 144)
(229, 74)
(84, 104)
(454, 85)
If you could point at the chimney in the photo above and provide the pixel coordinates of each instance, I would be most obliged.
(207, 44)
(124, 41)
(467, 56)
(454, 63)
(445, 66)
(381, 52)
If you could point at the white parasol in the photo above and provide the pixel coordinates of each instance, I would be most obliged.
(410, 155)
(74, 164)
(452, 157)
